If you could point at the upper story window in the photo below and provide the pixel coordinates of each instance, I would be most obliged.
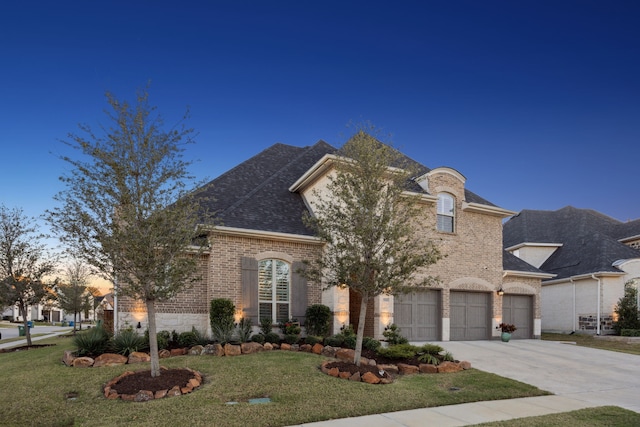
(445, 212)
(274, 290)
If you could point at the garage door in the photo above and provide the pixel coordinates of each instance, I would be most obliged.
(470, 316)
(418, 315)
(518, 310)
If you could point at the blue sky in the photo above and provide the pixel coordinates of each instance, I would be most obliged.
(537, 103)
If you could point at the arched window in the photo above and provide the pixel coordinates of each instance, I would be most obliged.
(274, 290)
(446, 212)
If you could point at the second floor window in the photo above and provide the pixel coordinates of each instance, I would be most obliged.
(445, 212)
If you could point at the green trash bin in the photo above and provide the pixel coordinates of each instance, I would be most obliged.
(21, 331)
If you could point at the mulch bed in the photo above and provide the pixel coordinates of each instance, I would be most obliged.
(133, 383)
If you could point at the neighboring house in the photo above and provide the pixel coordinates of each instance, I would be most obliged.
(590, 255)
(259, 243)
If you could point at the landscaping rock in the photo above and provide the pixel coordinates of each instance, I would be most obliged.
(213, 350)
(391, 369)
(109, 359)
(139, 357)
(317, 348)
(345, 354)
(251, 347)
(448, 367)
(83, 362)
(160, 394)
(164, 354)
(306, 348)
(427, 368)
(178, 352)
(370, 378)
(68, 357)
(285, 346)
(329, 351)
(232, 350)
(143, 396)
(268, 346)
(405, 369)
(465, 365)
(355, 377)
(196, 350)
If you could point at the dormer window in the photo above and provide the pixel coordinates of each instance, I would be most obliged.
(446, 212)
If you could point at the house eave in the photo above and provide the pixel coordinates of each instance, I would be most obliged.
(529, 274)
(261, 234)
(487, 210)
(531, 244)
(629, 239)
(583, 277)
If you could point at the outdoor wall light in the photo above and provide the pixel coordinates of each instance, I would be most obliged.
(500, 291)
(138, 325)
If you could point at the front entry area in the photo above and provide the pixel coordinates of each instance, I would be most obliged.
(470, 316)
(418, 315)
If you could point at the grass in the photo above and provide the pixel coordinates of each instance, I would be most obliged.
(37, 383)
(594, 342)
(603, 416)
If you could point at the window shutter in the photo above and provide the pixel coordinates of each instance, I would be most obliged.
(298, 293)
(250, 289)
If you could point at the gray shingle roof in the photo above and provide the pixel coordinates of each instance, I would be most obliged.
(255, 194)
(589, 239)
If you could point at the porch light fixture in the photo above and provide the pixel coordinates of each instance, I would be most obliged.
(138, 325)
(500, 292)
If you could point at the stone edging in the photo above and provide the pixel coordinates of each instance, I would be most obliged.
(146, 395)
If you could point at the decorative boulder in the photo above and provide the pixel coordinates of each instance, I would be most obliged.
(251, 347)
(109, 359)
(68, 357)
(83, 362)
(213, 350)
(232, 350)
(447, 367)
(196, 350)
(317, 348)
(164, 353)
(139, 357)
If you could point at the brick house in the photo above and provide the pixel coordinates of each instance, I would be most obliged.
(588, 256)
(260, 241)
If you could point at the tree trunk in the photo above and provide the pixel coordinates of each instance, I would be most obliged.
(153, 339)
(360, 333)
(22, 309)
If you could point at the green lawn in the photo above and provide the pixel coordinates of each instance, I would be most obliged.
(594, 342)
(35, 385)
(604, 416)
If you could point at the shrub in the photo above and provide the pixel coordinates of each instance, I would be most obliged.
(431, 349)
(259, 338)
(371, 343)
(266, 326)
(272, 338)
(447, 356)
(429, 358)
(200, 338)
(244, 329)
(399, 351)
(350, 342)
(291, 338)
(334, 340)
(630, 332)
(290, 327)
(92, 342)
(393, 336)
(221, 318)
(128, 341)
(187, 339)
(318, 317)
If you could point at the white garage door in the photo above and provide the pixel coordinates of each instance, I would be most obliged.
(470, 316)
(418, 315)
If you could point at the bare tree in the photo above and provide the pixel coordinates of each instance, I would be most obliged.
(126, 209)
(371, 224)
(25, 263)
(72, 293)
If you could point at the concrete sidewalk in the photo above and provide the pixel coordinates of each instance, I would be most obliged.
(11, 331)
(464, 414)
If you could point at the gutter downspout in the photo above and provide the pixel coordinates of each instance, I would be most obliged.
(574, 303)
(593, 276)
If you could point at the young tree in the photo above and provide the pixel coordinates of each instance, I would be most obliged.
(627, 308)
(126, 209)
(24, 263)
(73, 293)
(371, 224)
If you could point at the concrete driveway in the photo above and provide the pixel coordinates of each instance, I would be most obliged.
(596, 376)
